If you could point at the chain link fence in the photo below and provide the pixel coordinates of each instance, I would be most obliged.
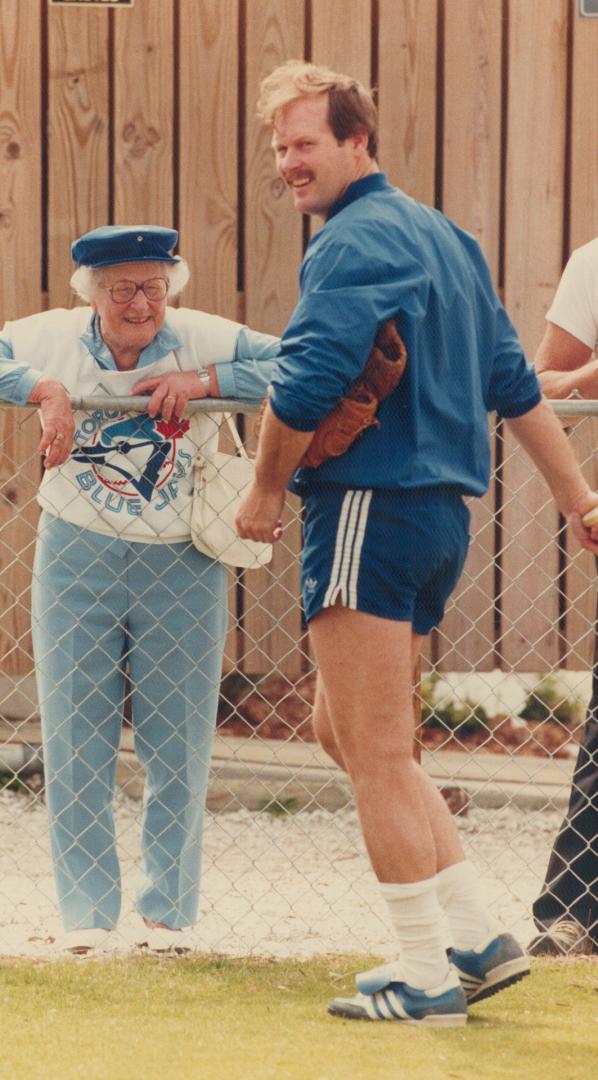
(504, 685)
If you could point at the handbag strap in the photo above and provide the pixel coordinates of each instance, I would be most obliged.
(236, 437)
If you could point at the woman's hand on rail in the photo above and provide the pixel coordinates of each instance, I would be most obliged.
(171, 392)
(57, 420)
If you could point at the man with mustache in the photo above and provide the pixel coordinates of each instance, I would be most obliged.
(386, 528)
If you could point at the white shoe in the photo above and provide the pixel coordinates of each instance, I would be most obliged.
(162, 940)
(83, 942)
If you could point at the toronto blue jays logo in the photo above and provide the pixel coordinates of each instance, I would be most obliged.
(133, 457)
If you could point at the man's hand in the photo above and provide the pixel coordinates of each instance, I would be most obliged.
(280, 450)
(171, 392)
(57, 417)
(586, 532)
(259, 516)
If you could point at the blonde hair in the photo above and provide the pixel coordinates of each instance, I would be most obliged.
(86, 280)
(350, 106)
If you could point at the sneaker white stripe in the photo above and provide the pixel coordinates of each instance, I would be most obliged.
(383, 1006)
(394, 1004)
(367, 1000)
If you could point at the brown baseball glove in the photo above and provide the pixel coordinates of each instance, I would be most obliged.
(356, 411)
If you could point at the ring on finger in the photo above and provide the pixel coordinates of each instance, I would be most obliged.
(58, 438)
(170, 397)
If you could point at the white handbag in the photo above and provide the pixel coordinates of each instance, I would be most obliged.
(220, 481)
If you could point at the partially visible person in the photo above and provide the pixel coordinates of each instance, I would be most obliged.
(117, 583)
(566, 911)
(386, 528)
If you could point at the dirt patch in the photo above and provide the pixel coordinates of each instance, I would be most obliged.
(272, 706)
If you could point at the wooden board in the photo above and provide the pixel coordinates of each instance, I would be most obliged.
(341, 41)
(144, 114)
(583, 219)
(273, 250)
(533, 250)
(20, 294)
(471, 148)
(208, 152)
(20, 161)
(407, 45)
(472, 125)
(273, 228)
(342, 44)
(78, 125)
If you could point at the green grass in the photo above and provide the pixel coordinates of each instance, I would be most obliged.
(217, 1019)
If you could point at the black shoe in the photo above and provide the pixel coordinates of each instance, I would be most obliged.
(565, 937)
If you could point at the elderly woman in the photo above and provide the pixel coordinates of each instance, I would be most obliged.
(117, 584)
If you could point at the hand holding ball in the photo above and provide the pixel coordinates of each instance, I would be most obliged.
(591, 518)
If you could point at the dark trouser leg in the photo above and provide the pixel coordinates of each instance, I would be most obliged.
(571, 884)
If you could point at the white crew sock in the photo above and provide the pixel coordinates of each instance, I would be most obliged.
(461, 897)
(417, 918)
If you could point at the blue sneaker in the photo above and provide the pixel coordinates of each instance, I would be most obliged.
(383, 998)
(495, 964)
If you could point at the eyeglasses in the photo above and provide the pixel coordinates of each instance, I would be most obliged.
(122, 292)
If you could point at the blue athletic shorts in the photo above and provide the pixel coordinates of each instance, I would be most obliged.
(396, 554)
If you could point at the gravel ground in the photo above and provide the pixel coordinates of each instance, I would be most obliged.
(297, 885)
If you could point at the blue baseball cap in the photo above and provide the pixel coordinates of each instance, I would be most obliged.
(111, 244)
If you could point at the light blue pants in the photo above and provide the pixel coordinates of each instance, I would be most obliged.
(100, 606)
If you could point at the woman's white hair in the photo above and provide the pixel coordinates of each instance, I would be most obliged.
(86, 280)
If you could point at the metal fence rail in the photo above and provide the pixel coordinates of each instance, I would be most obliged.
(503, 692)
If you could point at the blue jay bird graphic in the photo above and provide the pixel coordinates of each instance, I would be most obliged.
(130, 434)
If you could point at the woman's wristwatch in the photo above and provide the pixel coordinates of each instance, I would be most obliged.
(204, 377)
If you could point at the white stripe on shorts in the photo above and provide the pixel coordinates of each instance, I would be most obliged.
(347, 551)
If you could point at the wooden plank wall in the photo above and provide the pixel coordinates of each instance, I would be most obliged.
(470, 184)
(488, 110)
(21, 165)
(581, 223)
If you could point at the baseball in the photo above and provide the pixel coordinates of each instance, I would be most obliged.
(591, 518)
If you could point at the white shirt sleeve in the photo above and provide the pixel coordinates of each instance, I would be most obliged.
(575, 306)
(16, 379)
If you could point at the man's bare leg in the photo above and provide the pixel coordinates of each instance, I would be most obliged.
(365, 666)
(446, 838)
(365, 718)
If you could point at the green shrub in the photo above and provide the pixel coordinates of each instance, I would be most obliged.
(456, 717)
(548, 701)
(9, 781)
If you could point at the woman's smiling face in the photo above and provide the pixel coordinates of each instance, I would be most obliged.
(132, 325)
